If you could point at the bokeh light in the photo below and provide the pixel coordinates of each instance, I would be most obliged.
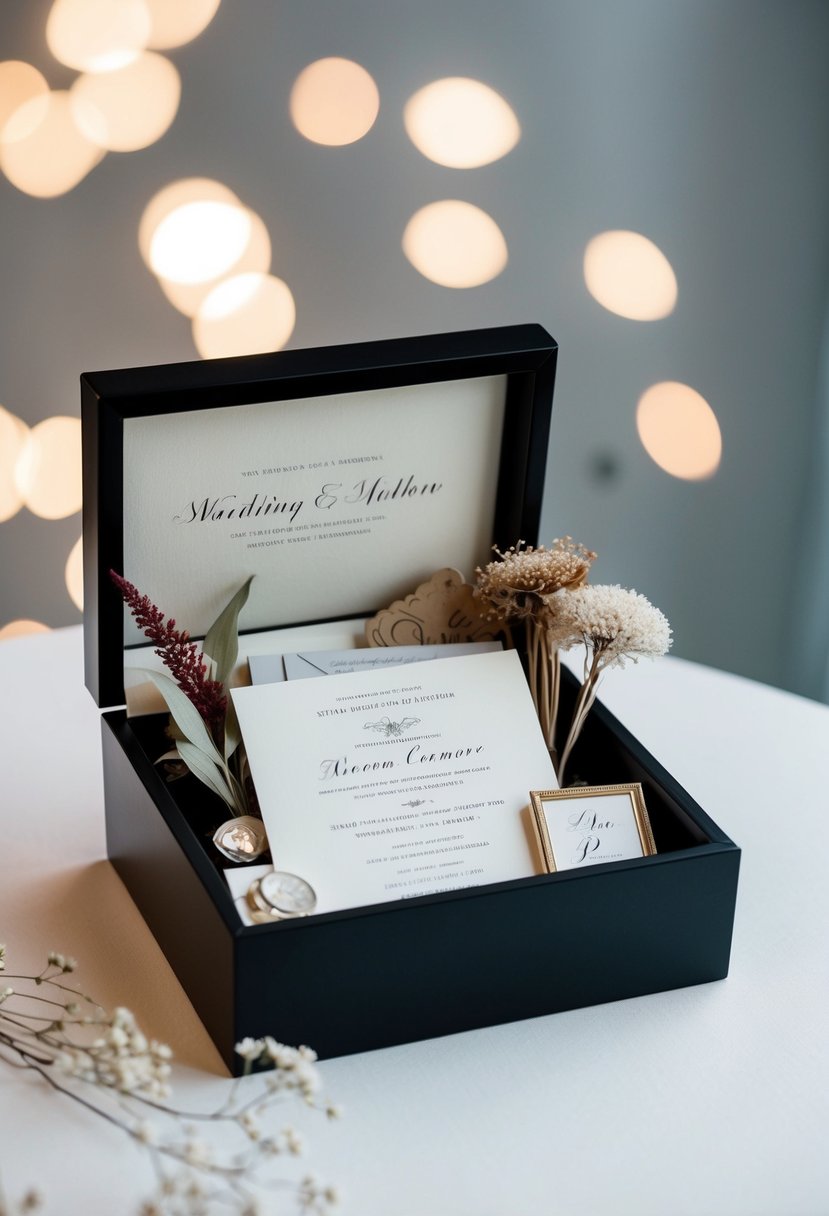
(19, 83)
(175, 22)
(199, 241)
(13, 436)
(133, 106)
(73, 573)
(334, 102)
(248, 314)
(19, 628)
(98, 35)
(628, 275)
(178, 194)
(188, 297)
(679, 430)
(48, 470)
(461, 123)
(455, 244)
(44, 152)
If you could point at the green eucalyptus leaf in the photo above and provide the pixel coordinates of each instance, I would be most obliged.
(185, 715)
(221, 642)
(240, 800)
(233, 732)
(172, 754)
(206, 771)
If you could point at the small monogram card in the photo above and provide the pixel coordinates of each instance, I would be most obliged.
(587, 825)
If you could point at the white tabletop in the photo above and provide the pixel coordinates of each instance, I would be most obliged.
(707, 1100)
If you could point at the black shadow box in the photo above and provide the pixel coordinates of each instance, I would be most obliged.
(399, 971)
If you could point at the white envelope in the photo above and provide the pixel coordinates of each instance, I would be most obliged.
(266, 668)
(309, 663)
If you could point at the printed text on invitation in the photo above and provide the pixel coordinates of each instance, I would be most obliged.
(385, 785)
(336, 504)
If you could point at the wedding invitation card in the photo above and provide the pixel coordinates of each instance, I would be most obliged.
(387, 784)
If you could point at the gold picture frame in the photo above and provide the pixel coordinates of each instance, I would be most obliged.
(588, 835)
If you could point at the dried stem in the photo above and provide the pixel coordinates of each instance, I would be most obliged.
(532, 677)
(544, 678)
(554, 660)
(541, 646)
(584, 701)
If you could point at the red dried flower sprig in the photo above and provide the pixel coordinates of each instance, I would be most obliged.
(180, 656)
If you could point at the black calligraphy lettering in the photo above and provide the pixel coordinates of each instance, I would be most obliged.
(325, 499)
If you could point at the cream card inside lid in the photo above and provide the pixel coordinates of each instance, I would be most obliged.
(337, 504)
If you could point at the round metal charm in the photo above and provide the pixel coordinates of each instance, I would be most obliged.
(242, 839)
(281, 896)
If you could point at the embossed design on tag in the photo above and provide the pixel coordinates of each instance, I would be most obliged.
(438, 611)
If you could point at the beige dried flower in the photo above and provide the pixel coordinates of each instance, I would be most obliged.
(614, 623)
(513, 587)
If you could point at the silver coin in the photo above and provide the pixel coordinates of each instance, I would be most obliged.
(287, 894)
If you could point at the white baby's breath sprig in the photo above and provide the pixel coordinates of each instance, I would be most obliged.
(250, 1049)
(205, 1162)
(615, 626)
(317, 1199)
(63, 964)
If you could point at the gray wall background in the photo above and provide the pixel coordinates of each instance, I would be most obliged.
(702, 124)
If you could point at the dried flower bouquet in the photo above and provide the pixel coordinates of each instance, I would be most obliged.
(547, 589)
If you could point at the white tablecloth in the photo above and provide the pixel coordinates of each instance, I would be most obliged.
(712, 1099)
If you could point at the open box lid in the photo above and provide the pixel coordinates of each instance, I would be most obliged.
(340, 477)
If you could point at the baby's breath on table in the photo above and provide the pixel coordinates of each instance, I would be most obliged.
(107, 1064)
